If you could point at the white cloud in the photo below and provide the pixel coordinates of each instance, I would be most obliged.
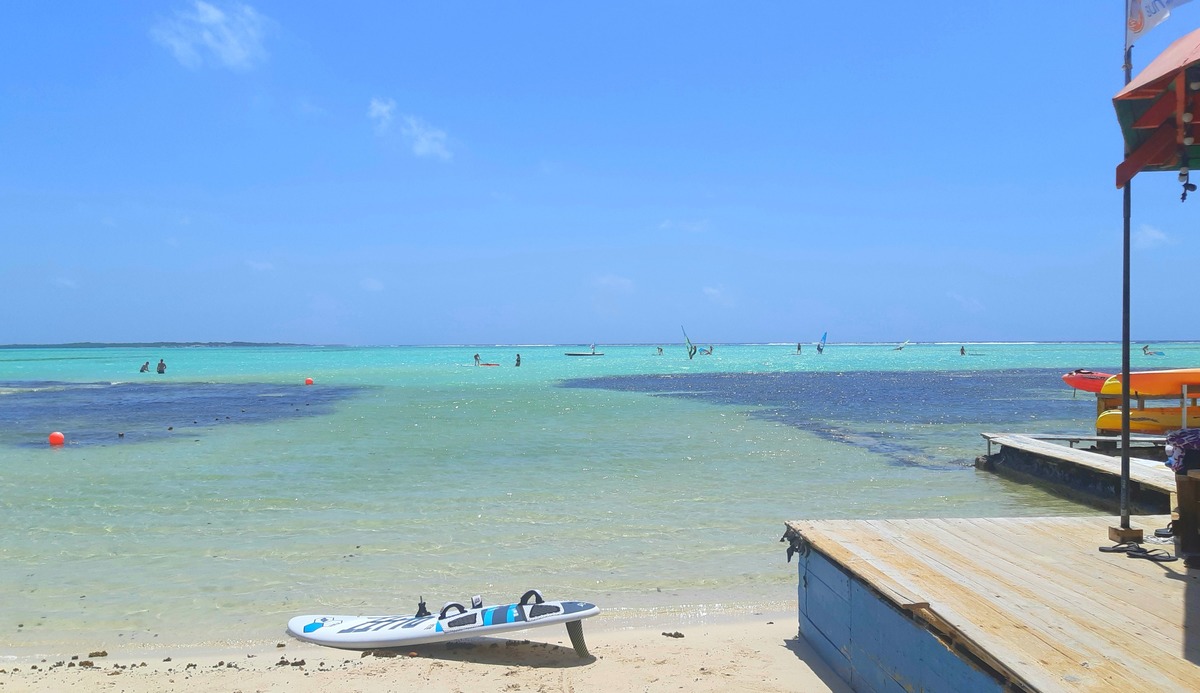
(209, 35)
(371, 284)
(308, 108)
(422, 138)
(380, 111)
(696, 226)
(425, 139)
(971, 305)
(1147, 237)
(259, 266)
(615, 284)
(719, 296)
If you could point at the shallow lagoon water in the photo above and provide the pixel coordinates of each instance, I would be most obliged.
(239, 497)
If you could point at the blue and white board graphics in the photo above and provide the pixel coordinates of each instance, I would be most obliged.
(453, 622)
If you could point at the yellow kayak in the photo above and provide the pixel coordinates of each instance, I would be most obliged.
(1155, 420)
(1156, 383)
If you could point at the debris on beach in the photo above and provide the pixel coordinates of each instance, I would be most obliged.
(676, 634)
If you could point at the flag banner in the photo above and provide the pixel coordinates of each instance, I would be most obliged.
(1143, 15)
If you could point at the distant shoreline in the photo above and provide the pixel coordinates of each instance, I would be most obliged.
(139, 345)
(239, 344)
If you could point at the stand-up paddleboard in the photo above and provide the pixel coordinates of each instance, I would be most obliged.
(453, 622)
(584, 353)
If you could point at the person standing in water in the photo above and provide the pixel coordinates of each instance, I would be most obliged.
(518, 360)
(162, 366)
(145, 367)
(962, 351)
(476, 359)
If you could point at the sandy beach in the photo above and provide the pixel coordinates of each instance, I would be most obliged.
(762, 653)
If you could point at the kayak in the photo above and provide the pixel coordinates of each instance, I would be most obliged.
(1088, 381)
(1157, 420)
(1156, 383)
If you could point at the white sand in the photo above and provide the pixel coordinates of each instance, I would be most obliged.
(760, 654)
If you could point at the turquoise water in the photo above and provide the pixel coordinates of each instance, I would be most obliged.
(238, 497)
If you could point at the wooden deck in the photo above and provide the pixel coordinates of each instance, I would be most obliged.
(1032, 598)
(1083, 475)
(1149, 473)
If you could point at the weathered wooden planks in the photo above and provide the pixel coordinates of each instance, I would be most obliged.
(1146, 472)
(1032, 597)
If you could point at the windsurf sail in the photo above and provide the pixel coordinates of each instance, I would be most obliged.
(691, 349)
(821, 344)
(901, 346)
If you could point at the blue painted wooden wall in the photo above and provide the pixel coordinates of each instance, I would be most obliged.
(870, 643)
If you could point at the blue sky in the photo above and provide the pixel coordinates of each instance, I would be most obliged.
(432, 173)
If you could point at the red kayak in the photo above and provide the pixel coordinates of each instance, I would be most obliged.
(1088, 381)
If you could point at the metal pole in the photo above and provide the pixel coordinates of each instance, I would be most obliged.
(1125, 332)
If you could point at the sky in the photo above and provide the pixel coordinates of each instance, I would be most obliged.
(377, 173)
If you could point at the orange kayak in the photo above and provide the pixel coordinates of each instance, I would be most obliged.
(1156, 383)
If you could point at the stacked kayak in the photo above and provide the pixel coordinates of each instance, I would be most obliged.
(1088, 381)
(1153, 420)
(1179, 386)
(1168, 383)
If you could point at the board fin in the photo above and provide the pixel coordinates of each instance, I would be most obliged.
(575, 630)
(421, 610)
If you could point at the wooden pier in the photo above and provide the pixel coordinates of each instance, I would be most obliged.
(998, 604)
(1084, 475)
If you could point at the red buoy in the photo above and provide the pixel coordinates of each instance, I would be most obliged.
(57, 438)
(308, 381)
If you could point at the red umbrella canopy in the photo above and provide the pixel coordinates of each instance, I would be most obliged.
(1157, 109)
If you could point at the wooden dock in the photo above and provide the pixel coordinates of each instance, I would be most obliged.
(1018, 603)
(1082, 474)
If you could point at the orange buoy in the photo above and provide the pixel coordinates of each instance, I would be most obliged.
(57, 438)
(308, 381)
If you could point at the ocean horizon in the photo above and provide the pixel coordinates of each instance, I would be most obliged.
(213, 502)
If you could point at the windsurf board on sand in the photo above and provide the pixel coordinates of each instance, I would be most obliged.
(454, 622)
